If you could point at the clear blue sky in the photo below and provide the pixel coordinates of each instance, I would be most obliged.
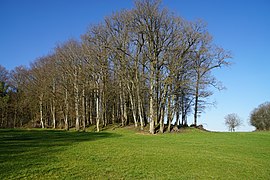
(31, 28)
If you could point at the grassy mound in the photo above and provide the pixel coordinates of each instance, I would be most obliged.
(122, 153)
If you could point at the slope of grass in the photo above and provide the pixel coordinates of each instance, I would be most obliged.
(125, 154)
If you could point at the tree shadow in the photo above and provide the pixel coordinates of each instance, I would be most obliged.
(21, 150)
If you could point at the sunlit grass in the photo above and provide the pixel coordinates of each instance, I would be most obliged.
(127, 154)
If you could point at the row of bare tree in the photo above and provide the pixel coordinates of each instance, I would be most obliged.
(140, 66)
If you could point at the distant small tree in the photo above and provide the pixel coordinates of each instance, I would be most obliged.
(232, 121)
(260, 117)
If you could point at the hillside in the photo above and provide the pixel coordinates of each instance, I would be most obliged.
(123, 153)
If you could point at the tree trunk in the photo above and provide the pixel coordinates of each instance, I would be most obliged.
(122, 106)
(83, 109)
(90, 112)
(162, 110)
(97, 111)
(76, 101)
(40, 110)
(169, 115)
(196, 103)
(113, 116)
(66, 110)
(183, 110)
(104, 113)
(53, 113)
(161, 122)
(87, 111)
(171, 111)
(177, 120)
(177, 109)
(151, 101)
(125, 112)
(133, 108)
(139, 107)
(53, 105)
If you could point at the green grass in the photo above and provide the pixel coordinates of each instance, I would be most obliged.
(126, 154)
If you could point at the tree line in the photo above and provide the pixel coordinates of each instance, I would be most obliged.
(144, 66)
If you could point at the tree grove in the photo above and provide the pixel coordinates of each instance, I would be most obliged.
(140, 66)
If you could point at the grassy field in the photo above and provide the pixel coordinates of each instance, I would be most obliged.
(127, 154)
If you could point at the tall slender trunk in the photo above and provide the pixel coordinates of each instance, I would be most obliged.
(151, 100)
(83, 108)
(183, 108)
(87, 111)
(177, 119)
(125, 112)
(47, 119)
(41, 110)
(171, 110)
(137, 92)
(133, 108)
(157, 89)
(90, 113)
(122, 108)
(161, 121)
(169, 115)
(53, 106)
(104, 113)
(162, 110)
(97, 111)
(66, 110)
(196, 102)
(143, 107)
(139, 106)
(177, 109)
(76, 101)
(140, 112)
(113, 114)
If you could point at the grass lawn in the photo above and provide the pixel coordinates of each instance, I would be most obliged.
(125, 154)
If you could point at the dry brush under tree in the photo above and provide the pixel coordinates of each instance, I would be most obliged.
(140, 66)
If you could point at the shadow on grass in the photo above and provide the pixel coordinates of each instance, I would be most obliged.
(21, 150)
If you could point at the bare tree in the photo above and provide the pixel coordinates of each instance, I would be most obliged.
(232, 121)
(71, 53)
(205, 57)
(260, 117)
